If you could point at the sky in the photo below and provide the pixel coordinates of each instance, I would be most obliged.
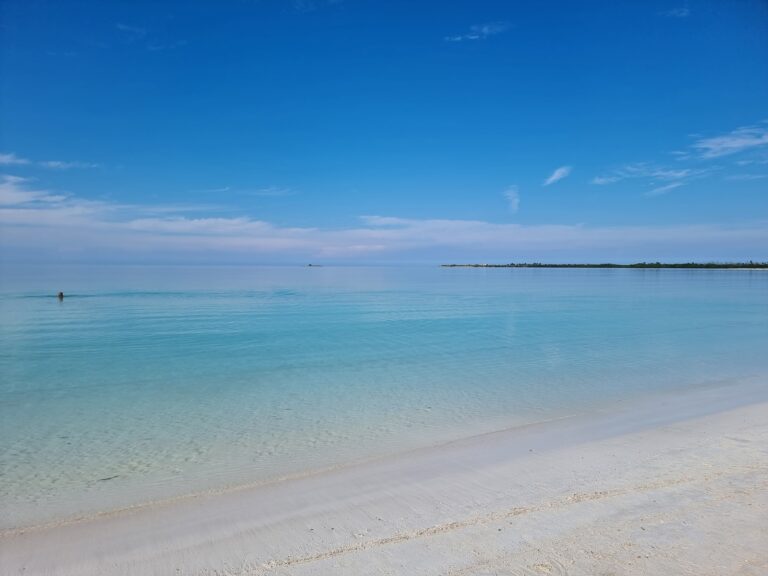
(383, 131)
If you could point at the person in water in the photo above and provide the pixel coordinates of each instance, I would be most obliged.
(60, 296)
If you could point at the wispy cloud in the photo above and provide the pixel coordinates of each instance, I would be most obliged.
(746, 177)
(602, 180)
(739, 140)
(15, 190)
(62, 165)
(10, 159)
(749, 142)
(659, 191)
(681, 12)
(661, 179)
(760, 158)
(512, 194)
(41, 221)
(480, 32)
(644, 170)
(558, 175)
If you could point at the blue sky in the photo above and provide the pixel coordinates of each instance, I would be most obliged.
(383, 131)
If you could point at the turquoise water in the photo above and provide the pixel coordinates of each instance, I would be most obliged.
(148, 383)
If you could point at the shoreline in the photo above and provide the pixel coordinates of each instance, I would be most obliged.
(608, 407)
(367, 509)
(636, 266)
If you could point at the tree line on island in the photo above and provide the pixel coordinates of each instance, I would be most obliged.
(704, 265)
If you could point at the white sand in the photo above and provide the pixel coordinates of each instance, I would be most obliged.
(675, 486)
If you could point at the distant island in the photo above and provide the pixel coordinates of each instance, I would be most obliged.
(695, 265)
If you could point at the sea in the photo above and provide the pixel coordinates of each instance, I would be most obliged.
(148, 384)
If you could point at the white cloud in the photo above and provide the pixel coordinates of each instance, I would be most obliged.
(739, 140)
(752, 141)
(380, 221)
(670, 174)
(15, 190)
(643, 170)
(662, 179)
(557, 175)
(512, 195)
(10, 159)
(62, 165)
(759, 158)
(480, 32)
(602, 180)
(37, 221)
(663, 189)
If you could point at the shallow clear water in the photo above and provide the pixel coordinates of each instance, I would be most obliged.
(148, 382)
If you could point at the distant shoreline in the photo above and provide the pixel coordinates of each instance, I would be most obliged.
(642, 265)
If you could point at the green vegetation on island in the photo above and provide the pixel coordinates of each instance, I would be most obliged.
(692, 265)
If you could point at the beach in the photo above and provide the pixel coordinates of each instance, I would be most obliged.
(336, 288)
(677, 484)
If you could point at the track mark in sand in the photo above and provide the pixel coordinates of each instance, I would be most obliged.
(556, 569)
(549, 567)
(397, 538)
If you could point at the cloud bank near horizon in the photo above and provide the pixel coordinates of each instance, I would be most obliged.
(40, 224)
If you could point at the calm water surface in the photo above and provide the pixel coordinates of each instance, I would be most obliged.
(148, 383)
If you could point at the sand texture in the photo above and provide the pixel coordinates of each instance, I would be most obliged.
(674, 486)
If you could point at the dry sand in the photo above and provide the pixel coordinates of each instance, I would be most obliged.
(676, 485)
